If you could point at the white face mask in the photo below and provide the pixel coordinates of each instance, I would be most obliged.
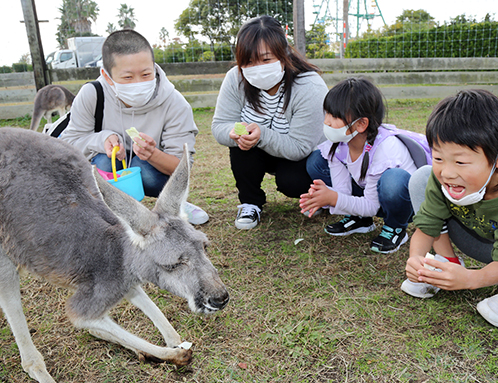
(264, 76)
(472, 198)
(135, 94)
(339, 134)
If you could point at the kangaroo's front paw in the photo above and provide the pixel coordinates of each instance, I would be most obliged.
(177, 356)
(183, 357)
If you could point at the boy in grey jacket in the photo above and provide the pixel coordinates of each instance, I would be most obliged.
(137, 94)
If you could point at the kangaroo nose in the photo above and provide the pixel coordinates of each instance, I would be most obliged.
(219, 302)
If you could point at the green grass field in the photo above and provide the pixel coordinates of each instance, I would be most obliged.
(323, 310)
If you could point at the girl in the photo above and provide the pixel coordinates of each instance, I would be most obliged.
(273, 91)
(363, 169)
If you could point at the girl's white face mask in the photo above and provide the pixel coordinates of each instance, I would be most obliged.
(135, 94)
(339, 134)
(472, 198)
(264, 76)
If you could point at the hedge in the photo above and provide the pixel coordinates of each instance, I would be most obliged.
(460, 40)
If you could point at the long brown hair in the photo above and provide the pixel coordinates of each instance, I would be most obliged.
(268, 30)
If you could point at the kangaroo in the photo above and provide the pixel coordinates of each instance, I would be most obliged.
(49, 99)
(59, 219)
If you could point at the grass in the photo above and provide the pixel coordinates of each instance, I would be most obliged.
(324, 309)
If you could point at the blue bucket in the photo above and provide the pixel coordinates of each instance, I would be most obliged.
(130, 183)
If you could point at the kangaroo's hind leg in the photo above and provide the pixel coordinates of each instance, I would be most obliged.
(10, 302)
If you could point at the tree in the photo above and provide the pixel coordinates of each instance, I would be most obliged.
(126, 17)
(110, 28)
(219, 21)
(163, 36)
(463, 19)
(411, 20)
(76, 19)
(318, 42)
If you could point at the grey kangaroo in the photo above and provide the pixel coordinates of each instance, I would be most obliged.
(61, 220)
(49, 99)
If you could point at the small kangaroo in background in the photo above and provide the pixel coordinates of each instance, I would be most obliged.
(49, 99)
(61, 220)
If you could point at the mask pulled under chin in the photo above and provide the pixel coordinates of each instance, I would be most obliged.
(472, 198)
(264, 76)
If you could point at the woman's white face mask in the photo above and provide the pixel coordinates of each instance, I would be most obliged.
(135, 94)
(339, 134)
(264, 76)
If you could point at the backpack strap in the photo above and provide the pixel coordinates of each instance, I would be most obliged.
(99, 108)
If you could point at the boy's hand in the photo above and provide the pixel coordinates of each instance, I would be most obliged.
(110, 143)
(413, 265)
(451, 276)
(144, 146)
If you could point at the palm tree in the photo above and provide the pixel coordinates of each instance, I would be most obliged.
(76, 19)
(126, 17)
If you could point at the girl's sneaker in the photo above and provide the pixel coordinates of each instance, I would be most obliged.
(389, 240)
(247, 217)
(425, 290)
(488, 308)
(351, 224)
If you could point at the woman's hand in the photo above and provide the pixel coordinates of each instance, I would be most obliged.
(110, 143)
(247, 141)
(144, 146)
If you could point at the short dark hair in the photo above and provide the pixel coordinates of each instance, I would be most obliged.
(268, 30)
(123, 42)
(470, 118)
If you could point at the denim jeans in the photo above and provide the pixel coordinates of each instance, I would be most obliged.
(318, 167)
(392, 188)
(152, 178)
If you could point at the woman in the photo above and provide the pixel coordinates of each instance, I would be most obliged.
(278, 96)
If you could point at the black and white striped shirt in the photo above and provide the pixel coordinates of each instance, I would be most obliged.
(272, 112)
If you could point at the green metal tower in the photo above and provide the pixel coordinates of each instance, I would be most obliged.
(360, 10)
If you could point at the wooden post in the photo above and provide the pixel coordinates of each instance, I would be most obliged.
(345, 26)
(35, 45)
(299, 30)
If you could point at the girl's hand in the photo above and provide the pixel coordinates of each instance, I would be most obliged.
(247, 141)
(110, 143)
(318, 195)
(451, 277)
(144, 146)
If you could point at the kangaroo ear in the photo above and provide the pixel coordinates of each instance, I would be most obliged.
(176, 190)
(127, 208)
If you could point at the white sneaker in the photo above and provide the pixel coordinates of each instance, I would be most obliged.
(421, 289)
(488, 308)
(247, 216)
(195, 215)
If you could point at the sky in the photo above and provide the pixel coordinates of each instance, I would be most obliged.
(152, 15)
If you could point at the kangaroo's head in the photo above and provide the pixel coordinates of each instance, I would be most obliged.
(165, 249)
